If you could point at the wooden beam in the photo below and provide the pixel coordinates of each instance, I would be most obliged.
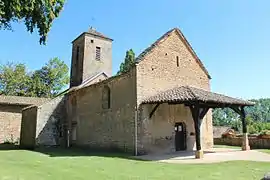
(153, 110)
(195, 111)
(244, 123)
(203, 112)
(241, 111)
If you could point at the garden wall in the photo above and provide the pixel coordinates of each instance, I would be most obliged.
(255, 143)
(43, 125)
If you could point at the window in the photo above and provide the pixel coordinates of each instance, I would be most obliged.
(177, 61)
(98, 53)
(106, 98)
(77, 53)
(92, 41)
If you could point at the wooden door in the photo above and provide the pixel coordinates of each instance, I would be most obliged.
(180, 136)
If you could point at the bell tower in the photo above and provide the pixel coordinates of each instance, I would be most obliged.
(91, 56)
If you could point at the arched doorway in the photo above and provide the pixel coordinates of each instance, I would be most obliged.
(180, 136)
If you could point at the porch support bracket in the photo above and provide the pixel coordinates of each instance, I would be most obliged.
(241, 111)
(153, 110)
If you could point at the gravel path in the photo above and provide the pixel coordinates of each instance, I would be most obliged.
(210, 156)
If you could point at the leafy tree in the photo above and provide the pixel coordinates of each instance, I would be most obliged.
(14, 79)
(50, 79)
(45, 82)
(35, 14)
(128, 62)
(258, 117)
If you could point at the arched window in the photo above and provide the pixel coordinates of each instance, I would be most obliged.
(106, 98)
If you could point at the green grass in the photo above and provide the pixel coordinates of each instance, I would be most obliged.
(237, 147)
(264, 150)
(70, 165)
(226, 146)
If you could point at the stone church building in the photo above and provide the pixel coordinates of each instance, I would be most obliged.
(158, 106)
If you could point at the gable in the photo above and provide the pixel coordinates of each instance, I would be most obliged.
(159, 41)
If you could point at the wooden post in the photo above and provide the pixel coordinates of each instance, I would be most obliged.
(245, 142)
(198, 114)
(241, 112)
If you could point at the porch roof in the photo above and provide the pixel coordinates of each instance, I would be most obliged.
(190, 95)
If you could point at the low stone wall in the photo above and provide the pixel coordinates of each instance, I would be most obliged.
(42, 125)
(50, 118)
(254, 143)
(28, 127)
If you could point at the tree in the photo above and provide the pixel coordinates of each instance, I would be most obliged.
(257, 117)
(128, 62)
(35, 14)
(45, 82)
(50, 79)
(14, 79)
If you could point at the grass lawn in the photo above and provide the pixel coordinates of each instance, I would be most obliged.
(237, 147)
(226, 146)
(69, 165)
(264, 150)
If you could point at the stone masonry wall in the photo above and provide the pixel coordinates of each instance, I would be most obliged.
(10, 122)
(28, 127)
(237, 141)
(100, 128)
(76, 66)
(50, 120)
(91, 65)
(160, 134)
(159, 72)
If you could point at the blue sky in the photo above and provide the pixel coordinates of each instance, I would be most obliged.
(230, 37)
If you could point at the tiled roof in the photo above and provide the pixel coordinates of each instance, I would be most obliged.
(150, 48)
(20, 100)
(188, 94)
(88, 81)
(92, 31)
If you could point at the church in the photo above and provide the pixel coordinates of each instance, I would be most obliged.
(162, 105)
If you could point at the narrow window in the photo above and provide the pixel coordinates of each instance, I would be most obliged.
(92, 41)
(98, 53)
(77, 53)
(106, 98)
(177, 61)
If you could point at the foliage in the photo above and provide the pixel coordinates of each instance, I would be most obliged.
(35, 14)
(128, 62)
(45, 82)
(14, 79)
(50, 79)
(257, 118)
(265, 132)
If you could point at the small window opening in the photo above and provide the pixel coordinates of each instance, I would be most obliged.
(106, 98)
(166, 54)
(98, 53)
(177, 61)
(92, 41)
(77, 53)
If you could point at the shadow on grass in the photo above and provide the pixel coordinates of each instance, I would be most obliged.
(72, 152)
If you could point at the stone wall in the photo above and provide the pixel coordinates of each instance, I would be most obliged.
(96, 127)
(91, 65)
(28, 127)
(10, 122)
(253, 142)
(48, 119)
(86, 65)
(158, 71)
(159, 134)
